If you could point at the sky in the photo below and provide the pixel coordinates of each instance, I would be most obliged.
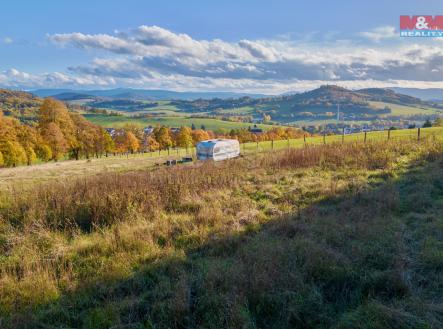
(255, 46)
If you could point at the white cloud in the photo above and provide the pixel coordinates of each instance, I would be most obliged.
(153, 57)
(18, 79)
(7, 40)
(380, 33)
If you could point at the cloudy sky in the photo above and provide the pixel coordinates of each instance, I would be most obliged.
(243, 45)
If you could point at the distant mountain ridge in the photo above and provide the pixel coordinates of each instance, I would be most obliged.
(399, 94)
(139, 94)
(336, 94)
(332, 94)
(71, 96)
(428, 94)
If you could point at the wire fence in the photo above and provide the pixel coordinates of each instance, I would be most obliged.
(263, 146)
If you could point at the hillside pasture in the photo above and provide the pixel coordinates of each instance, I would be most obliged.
(173, 121)
(329, 236)
(402, 110)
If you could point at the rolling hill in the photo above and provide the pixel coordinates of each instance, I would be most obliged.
(314, 107)
(139, 94)
(19, 104)
(321, 104)
(428, 94)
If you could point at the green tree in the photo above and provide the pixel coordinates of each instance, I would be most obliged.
(427, 124)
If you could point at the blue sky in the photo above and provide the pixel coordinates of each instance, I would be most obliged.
(256, 45)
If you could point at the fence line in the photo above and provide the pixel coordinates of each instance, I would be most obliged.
(260, 146)
(257, 147)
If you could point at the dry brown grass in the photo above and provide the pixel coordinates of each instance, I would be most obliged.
(190, 245)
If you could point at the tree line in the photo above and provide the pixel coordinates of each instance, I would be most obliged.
(57, 134)
(61, 134)
(131, 138)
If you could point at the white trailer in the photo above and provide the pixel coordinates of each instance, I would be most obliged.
(218, 149)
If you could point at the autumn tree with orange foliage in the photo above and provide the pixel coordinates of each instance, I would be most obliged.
(13, 151)
(199, 135)
(126, 142)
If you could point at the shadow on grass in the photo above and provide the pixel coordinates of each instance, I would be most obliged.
(368, 258)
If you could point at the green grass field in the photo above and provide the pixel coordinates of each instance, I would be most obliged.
(401, 110)
(210, 124)
(245, 110)
(404, 134)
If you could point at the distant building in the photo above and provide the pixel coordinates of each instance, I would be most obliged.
(111, 131)
(347, 131)
(256, 130)
(148, 130)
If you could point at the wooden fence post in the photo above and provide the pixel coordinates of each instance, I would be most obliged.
(343, 136)
(304, 139)
(418, 134)
(324, 138)
(365, 136)
(272, 144)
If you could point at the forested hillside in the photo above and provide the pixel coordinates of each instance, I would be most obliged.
(19, 104)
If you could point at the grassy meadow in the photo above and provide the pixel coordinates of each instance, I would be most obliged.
(26, 176)
(402, 110)
(170, 121)
(323, 236)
